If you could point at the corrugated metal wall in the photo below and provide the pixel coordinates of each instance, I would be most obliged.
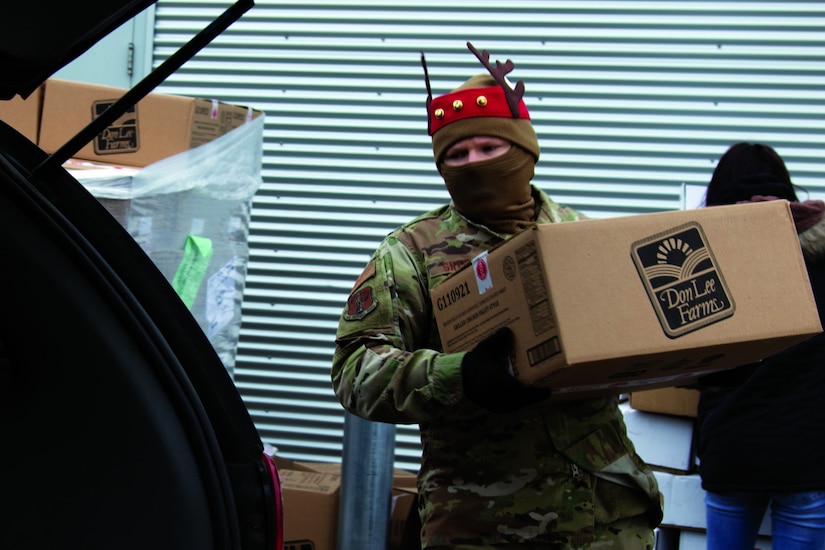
(631, 100)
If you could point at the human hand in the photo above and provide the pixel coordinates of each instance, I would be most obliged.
(487, 379)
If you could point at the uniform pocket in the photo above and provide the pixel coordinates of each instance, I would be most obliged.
(597, 444)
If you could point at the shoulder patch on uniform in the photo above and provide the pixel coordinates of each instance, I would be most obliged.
(368, 272)
(360, 304)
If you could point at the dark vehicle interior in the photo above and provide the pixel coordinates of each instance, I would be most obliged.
(120, 426)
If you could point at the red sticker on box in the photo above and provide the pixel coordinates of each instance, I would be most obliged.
(482, 271)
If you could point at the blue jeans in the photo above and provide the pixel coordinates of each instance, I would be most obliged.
(797, 520)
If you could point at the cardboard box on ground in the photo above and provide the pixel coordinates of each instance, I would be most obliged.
(311, 499)
(404, 501)
(665, 442)
(190, 213)
(311, 504)
(638, 302)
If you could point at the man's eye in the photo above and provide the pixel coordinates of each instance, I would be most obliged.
(453, 155)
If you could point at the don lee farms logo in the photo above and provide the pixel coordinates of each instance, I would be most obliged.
(682, 279)
(121, 136)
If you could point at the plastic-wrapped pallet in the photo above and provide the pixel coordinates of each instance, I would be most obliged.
(190, 213)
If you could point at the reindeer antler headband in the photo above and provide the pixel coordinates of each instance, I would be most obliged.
(493, 101)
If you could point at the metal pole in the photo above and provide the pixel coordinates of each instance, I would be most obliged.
(366, 484)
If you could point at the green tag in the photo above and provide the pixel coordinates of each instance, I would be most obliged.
(196, 255)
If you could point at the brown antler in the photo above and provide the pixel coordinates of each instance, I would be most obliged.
(499, 73)
(429, 91)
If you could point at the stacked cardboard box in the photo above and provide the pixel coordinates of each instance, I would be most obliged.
(312, 493)
(665, 440)
(178, 173)
(158, 126)
(404, 501)
(190, 213)
(674, 401)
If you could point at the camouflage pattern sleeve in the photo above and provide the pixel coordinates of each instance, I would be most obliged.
(553, 212)
(382, 369)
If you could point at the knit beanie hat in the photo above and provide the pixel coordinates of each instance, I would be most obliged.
(478, 108)
(481, 107)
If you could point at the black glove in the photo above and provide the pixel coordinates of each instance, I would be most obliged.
(487, 380)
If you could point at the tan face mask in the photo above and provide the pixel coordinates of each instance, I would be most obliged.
(495, 192)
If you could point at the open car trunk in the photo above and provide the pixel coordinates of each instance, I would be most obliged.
(121, 427)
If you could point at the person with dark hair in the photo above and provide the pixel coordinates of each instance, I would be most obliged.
(745, 165)
(502, 467)
(760, 426)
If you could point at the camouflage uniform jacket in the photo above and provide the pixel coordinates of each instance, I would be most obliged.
(546, 473)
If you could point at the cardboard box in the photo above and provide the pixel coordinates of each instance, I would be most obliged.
(311, 502)
(23, 114)
(404, 500)
(672, 401)
(636, 302)
(685, 503)
(663, 441)
(159, 126)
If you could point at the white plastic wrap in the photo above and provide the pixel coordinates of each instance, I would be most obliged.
(190, 212)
